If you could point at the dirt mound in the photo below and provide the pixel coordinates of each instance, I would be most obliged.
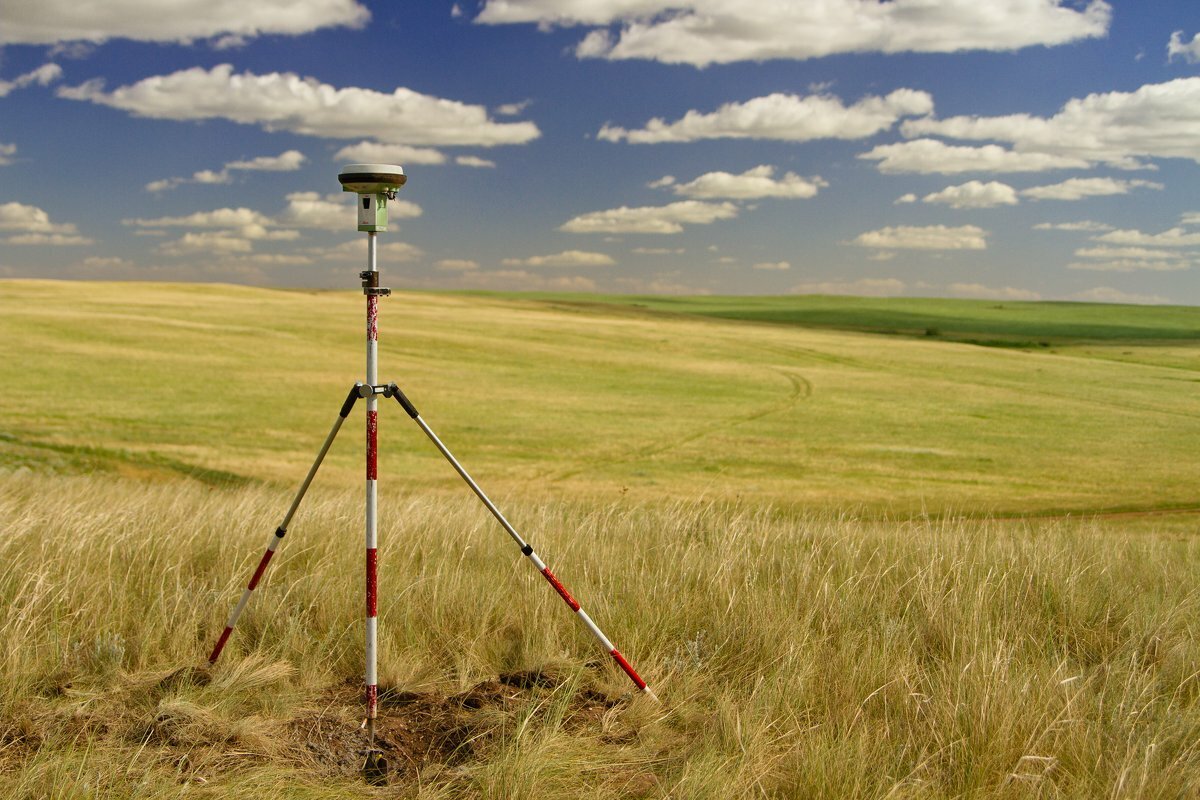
(416, 730)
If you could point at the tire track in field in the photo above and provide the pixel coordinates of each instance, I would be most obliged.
(800, 389)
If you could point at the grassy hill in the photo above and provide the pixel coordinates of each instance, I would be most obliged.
(558, 397)
(789, 528)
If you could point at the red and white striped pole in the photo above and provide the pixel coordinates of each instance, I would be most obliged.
(371, 280)
(526, 548)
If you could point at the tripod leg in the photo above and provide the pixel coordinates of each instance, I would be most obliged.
(277, 536)
(526, 548)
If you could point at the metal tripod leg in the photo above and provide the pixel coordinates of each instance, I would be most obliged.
(356, 392)
(526, 549)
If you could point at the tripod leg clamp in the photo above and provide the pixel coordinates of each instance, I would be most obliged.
(405, 403)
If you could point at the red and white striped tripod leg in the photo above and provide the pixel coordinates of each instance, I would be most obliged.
(526, 548)
(277, 537)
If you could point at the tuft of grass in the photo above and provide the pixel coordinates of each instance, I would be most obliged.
(797, 654)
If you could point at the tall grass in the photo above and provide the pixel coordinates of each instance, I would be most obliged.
(796, 655)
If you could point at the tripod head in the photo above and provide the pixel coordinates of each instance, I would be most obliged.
(374, 184)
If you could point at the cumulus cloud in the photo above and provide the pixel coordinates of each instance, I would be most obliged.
(1188, 51)
(568, 258)
(226, 231)
(975, 194)
(929, 237)
(288, 161)
(1107, 294)
(51, 21)
(1175, 237)
(930, 156)
(42, 76)
(30, 225)
(978, 291)
(863, 287)
(783, 117)
(1085, 225)
(379, 153)
(7, 151)
(1120, 129)
(772, 266)
(474, 161)
(703, 32)
(285, 101)
(457, 264)
(755, 183)
(1079, 188)
(513, 109)
(217, 218)
(651, 219)
(1107, 252)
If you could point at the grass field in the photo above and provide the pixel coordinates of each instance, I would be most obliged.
(855, 554)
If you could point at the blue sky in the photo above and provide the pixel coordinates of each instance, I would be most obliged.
(1009, 149)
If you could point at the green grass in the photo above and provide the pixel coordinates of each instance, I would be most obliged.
(850, 564)
(1007, 323)
(591, 400)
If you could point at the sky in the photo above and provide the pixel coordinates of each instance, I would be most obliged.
(992, 149)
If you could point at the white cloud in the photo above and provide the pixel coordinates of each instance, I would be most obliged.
(1107, 294)
(1115, 128)
(513, 109)
(772, 266)
(863, 287)
(752, 184)
(651, 219)
(1107, 252)
(1188, 51)
(1079, 188)
(457, 265)
(227, 231)
(1190, 218)
(975, 194)
(352, 251)
(1131, 265)
(929, 156)
(379, 153)
(207, 242)
(930, 237)
(32, 225)
(288, 161)
(44, 75)
(1175, 237)
(51, 21)
(980, 292)
(702, 32)
(7, 151)
(217, 218)
(905, 199)
(474, 161)
(567, 258)
(1085, 225)
(660, 251)
(783, 117)
(52, 239)
(288, 102)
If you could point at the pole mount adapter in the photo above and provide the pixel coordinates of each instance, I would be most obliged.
(370, 284)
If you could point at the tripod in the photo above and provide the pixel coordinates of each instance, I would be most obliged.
(375, 184)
